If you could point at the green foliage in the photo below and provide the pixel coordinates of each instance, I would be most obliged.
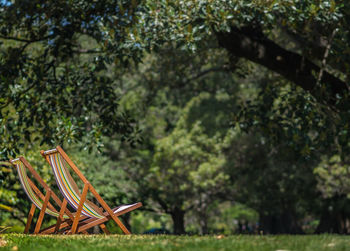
(183, 117)
(316, 31)
(6, 196)
(53, 89)
(142, 221)
(191, 21)
(333, 177)
(225, 218)
(213, 126)
(187, 166)
(288, 116)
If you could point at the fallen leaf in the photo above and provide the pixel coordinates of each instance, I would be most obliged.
(3, 243)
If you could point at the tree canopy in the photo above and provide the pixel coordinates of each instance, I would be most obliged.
(51, 82)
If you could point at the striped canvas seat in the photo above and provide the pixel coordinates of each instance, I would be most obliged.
(69, 188)
(26, 185)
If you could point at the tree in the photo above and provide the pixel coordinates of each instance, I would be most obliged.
(274, 113)
(332, 174)
(183, 169)
(48, 42)
(187, 175)
(53, 59)
(53, 82)
(304, 42)
(274, 181)
(253, 30)
(176, 98)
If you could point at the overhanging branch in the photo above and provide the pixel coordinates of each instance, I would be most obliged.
(24, 40)
(290, 65)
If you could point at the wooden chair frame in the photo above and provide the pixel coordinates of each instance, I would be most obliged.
(46, 202)
(91, 222)
(49, 194)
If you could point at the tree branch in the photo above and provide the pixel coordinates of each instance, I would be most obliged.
(292, 66)
(23, 40)
(84, 51)
(325, 56)
(15, 39)
(202, 73)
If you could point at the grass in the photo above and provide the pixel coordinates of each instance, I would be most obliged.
(15, 242)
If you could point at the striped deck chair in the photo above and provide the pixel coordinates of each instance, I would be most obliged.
(60, 162)
(39, 200)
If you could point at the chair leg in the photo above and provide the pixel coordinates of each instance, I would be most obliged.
(80, 208)
(30, 218)
(60, 216)
(104, 229)
(109, 210)
(42, 212)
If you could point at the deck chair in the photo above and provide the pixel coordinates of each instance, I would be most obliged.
(42, 202)
(39, 201)
(61, 163)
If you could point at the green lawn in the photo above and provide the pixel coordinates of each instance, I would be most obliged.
(147, 242)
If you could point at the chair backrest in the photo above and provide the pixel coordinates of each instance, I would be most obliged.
(59, 163)
(27, 184)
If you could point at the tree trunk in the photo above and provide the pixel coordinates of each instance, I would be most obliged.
(203, 222)
(178, 217)
(285, 223)
(126, 221)
(96, 230)
(334, 216)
